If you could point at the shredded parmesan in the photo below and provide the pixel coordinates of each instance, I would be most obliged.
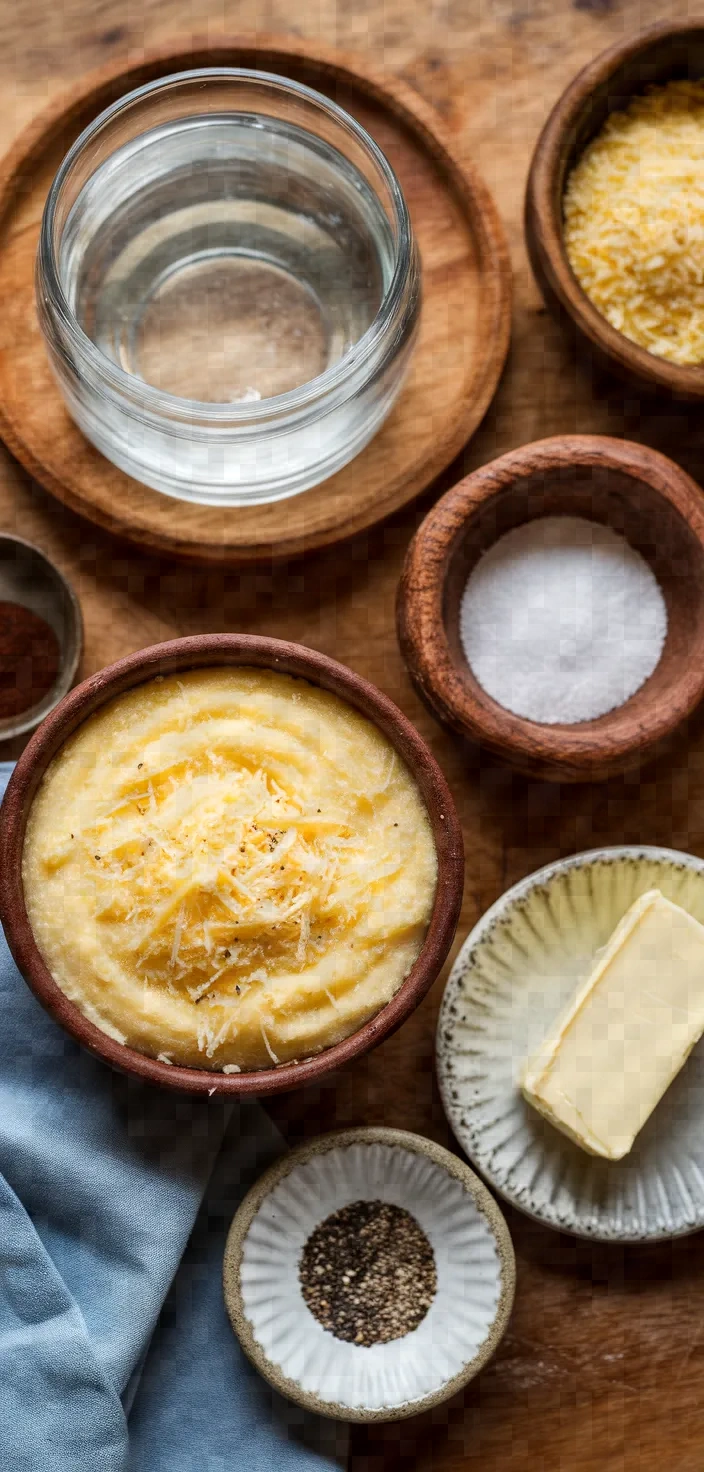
(231, 879)
(634, 221)
(267, 1044)
(237, 866)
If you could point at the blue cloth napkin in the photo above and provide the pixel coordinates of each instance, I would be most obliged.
(116, 1354)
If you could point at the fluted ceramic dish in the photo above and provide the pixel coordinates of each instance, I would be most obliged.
(515, 972)
(473, 1257)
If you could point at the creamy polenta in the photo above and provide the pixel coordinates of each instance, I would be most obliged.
(229, 869)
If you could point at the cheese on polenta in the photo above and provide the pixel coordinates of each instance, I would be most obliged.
(229, 869)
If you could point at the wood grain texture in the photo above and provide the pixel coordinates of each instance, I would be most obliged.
(664, 52)
(602, 1366)
(643, 497)
(461, 349)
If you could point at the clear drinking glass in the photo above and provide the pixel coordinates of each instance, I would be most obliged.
(228, 286)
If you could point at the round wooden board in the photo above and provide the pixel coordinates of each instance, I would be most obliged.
(463, 343)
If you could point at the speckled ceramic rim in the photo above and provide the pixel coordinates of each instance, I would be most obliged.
(70, 648)
(511, 898)
(204, 651)
(417, 1145)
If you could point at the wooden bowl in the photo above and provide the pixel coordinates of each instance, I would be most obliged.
(628, 487)
(464, 329)
(657, 55)
(203, 651)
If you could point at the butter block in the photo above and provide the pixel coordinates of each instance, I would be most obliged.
(613, 1052)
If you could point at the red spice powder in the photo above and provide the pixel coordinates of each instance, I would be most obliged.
(29, 659)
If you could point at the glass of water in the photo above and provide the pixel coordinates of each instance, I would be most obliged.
(228, 286)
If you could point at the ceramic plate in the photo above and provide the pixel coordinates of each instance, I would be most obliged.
(515, 972)
(473, 1259)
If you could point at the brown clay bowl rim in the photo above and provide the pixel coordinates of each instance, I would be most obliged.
(202, 651)
(341, 1139)
(421, 623)
(544, 204)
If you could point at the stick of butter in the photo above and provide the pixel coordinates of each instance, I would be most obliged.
(610, 1056)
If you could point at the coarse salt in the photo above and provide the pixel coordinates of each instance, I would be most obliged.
(562, 621)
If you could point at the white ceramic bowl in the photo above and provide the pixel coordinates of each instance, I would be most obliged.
(514, 974)
(473, 1257)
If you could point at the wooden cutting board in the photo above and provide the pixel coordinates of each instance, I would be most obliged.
(460, 352)
(602, 1366)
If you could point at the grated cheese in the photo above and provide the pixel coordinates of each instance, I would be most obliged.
(234, 866)
(267, 1044)
(634, 221)
(228, 880)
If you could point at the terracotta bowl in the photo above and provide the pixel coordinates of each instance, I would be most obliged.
(657, 55)
(634, 490)
(200, 652)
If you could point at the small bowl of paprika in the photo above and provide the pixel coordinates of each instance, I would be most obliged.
(41, 636)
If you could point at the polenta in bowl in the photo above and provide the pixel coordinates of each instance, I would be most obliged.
(229, 870)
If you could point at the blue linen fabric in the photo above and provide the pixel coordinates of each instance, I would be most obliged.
(116, 1354)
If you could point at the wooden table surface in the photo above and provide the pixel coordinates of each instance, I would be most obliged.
(601, 1368)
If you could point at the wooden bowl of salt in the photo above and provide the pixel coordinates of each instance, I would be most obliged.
(551, 606)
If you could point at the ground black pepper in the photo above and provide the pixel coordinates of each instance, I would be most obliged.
(29, 659)
(367, 1273)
